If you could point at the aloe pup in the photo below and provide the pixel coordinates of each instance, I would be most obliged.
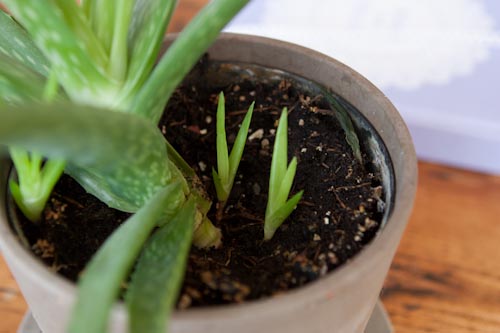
(280, 181)
(228, 163)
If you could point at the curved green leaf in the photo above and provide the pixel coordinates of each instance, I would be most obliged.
(279, 160)
(70, 57)
(156, 281)
(17, 44)
(100, 283)
(145, 35)
(125, 155)
(19, 82)
(195, 39)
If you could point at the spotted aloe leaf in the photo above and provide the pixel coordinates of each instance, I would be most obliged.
(16, 43)
(123, 153)
(13, 77)
(145, 35)
(99, 285)
(157, 278)
(71, 56)
(195, 39)
(77, 22)
(110, 21)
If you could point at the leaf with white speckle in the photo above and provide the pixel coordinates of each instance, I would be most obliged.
(115, 258)
(77, 22)
(19, 82)
(73, 66)
(145, 36)
(16, 43)
(123, 154)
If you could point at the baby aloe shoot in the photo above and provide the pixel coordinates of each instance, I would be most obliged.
(36, 179)
(35, 182)
(228, 164)
(280, 181)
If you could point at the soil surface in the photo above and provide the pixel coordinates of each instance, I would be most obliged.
(339, 213)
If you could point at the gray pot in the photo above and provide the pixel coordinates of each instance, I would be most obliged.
(340, 302)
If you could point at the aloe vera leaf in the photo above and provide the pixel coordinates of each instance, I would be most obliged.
(280, 182)
(118, 66)
(239, 143)
(124, 154)
(86, 6)
(145, 35)
(286, 183)
(19, 82)
(75, 19)
(75, 69)
(158, 275)
(279, 160)
(195, 39)
(346, 123)
(102, 15)
(16, 43)
(274, 221)
(100, 283)
(222, 151)
(35, 182)
(228, 165)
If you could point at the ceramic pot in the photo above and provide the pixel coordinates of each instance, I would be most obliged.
(343, 300)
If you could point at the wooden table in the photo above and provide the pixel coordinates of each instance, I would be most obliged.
(446, 274)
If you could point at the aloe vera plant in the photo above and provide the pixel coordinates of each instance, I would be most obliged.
(72, 71)
(103, 54)
(81, 93)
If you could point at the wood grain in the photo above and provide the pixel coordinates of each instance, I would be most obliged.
(446, 274)
(12, 304)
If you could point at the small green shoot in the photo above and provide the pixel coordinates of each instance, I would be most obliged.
(280, 181)
(228, 164)
(36, 180)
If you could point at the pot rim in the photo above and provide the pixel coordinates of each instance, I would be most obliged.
(336, 280)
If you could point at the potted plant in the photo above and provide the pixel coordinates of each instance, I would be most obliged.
(343, 299)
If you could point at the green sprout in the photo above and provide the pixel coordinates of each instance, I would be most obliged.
(35, 178)
(280, 181)
(35, 181)
(228, 164)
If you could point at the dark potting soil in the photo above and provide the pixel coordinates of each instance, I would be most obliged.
(339, 213)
